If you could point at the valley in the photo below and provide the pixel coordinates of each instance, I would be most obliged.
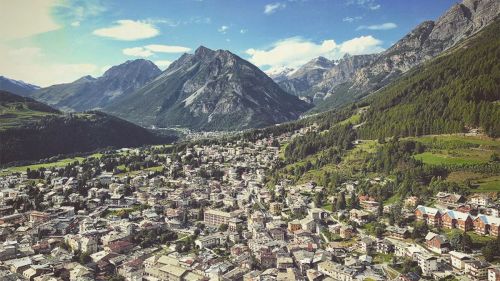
(350, 160)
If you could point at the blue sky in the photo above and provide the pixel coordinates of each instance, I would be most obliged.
(54, 41)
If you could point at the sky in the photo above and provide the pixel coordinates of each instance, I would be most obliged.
(46, 42)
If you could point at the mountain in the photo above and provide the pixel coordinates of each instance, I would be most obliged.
(18, 87)
(210, 90)
(427, 40)
(30, 130)
(452, 93)
(89, 93)
(323, 73)
(281, 74)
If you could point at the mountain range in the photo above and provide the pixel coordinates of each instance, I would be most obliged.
(89, 93)
(210, 90)
(18, 87)
(217, 90)
(370, 73)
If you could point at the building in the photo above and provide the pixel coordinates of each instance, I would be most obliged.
(428, 264)
(493, 274)
(476, 270)
(431, 216)
(458, 260)
(337, 271)
(215, 217)
(437, 243)
(454, 219)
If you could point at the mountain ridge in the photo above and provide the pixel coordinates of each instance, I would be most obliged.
(88, 93)
(210, 90)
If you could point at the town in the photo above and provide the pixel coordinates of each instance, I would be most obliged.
(206, 212)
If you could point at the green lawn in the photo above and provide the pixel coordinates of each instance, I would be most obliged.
(60, 163)
(352, 120)
(490, 184)
(457, 149)
(443, 158)
(56, 164)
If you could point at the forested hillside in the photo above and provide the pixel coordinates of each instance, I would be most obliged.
(454, 92)
(31, 130)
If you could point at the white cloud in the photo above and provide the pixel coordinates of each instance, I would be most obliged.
(128, 30)
(273, 7)
(351, 19)
(243, 31)
(25, 18)
(149, 50)
(137, 52)
(361, 45)
(30, 65)
(163, 64)
(383, 26)
(294, 52)
(368, 4)
(223, 29)
(77, 11)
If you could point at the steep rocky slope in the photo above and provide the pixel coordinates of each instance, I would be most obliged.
(210, 90)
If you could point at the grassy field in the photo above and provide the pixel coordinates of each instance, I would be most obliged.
(455, 158)
(59, 163)
(457, 150)
(14, 116)
(488, 184)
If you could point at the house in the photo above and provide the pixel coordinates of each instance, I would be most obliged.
(454, 219)
(449, 199)
(209, 241)
(398, 232)
(486, 225)
(431, 216)
(428, 264)
(480, 200)
(366, 244)
(359, 216)
(385, 246)
(337, 271)
(476, 270)
(437, 243)
(294, 226)
(215, 217)
(458, 260)
(493, 274)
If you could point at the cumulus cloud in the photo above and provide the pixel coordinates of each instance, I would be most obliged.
(273, 7)
(223, 29)
(128, 30)
(149, 50)
(383, 26)
(30, 65)
(18, 22)
(295, 51)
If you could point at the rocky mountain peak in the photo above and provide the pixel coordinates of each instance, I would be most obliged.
(132, 66)
(203, 51)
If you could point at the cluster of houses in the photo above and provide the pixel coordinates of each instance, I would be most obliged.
(450, 219)
(205, 213)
